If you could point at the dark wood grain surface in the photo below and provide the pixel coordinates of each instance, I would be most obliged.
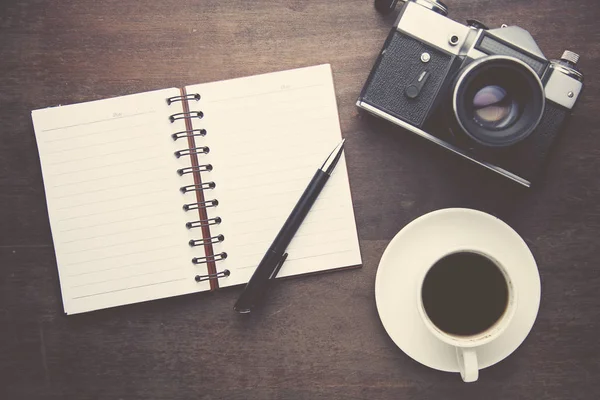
(319, 337)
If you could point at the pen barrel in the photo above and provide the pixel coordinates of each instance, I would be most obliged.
(303, 206)
(256, 289)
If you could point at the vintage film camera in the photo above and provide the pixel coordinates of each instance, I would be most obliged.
(489, 95)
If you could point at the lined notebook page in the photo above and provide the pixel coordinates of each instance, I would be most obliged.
(114, 202)
(268, 134)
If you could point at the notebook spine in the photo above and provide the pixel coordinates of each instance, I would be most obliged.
(195, 152)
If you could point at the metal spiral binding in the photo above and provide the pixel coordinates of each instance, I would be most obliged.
(222, 274)
(186, 115)
(194, 96)
(187, 134)
(210, 240)
(199, 168)
(193, 152)
(194, 188)
(203, 260)
(203, 222)
(201, 204)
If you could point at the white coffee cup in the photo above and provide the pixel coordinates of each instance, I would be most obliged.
(466, 345)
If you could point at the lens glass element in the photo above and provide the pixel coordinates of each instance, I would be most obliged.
(494, 107)
(497, 101)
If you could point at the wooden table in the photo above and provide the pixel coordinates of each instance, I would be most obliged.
(319, 337)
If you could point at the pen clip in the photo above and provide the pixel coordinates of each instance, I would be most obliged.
(278, 266)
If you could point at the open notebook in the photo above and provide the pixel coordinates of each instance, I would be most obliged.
(150, 198)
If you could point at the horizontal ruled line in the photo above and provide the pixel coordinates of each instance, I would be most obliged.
(274, 178)
(115, 233)
(248, 135)
(322, 243)
(109, 176)
(105, 212)
(118, 187)
(283, 213)
(117, 256)
(253, 95)
(255, 231)
(270, 183)
(107, 200)
(269, 162)
(288, 207)
(116, 222)
(77, 170)
(103, 155)
(100, 120)
(98, 271)
(320, 254)
(128, 288)
(253, 244)
(123, 277)
(273, 147)
(119, 244)
(302, 258)
(297, 190)
(125, 129)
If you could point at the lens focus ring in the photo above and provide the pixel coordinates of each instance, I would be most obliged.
(498, 101)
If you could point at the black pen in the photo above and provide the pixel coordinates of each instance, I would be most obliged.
(274, 258)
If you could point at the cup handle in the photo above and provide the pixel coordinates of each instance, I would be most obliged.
(467, 364)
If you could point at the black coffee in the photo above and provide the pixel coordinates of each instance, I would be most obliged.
(464, 294)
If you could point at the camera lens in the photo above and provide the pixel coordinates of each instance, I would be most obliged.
(494, 107)
(498, 101)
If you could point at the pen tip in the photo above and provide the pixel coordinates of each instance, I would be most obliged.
(333, 158)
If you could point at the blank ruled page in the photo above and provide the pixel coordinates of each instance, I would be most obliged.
(114, 202)
(268, 134)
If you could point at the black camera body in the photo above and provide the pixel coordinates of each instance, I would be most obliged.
(489, 95)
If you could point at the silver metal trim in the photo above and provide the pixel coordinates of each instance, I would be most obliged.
(447, 146)
(475, 54)
(431, 28)
(433, 5)
(562, 87)
(468, 49)
(570, 56)
(571, 72)
(483, 60)
(453, 39)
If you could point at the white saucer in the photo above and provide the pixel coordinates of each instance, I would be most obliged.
(420, 244)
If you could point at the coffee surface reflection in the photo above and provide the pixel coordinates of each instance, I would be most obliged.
(464, 294)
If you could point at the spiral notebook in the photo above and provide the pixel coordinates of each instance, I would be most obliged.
(178, 191)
